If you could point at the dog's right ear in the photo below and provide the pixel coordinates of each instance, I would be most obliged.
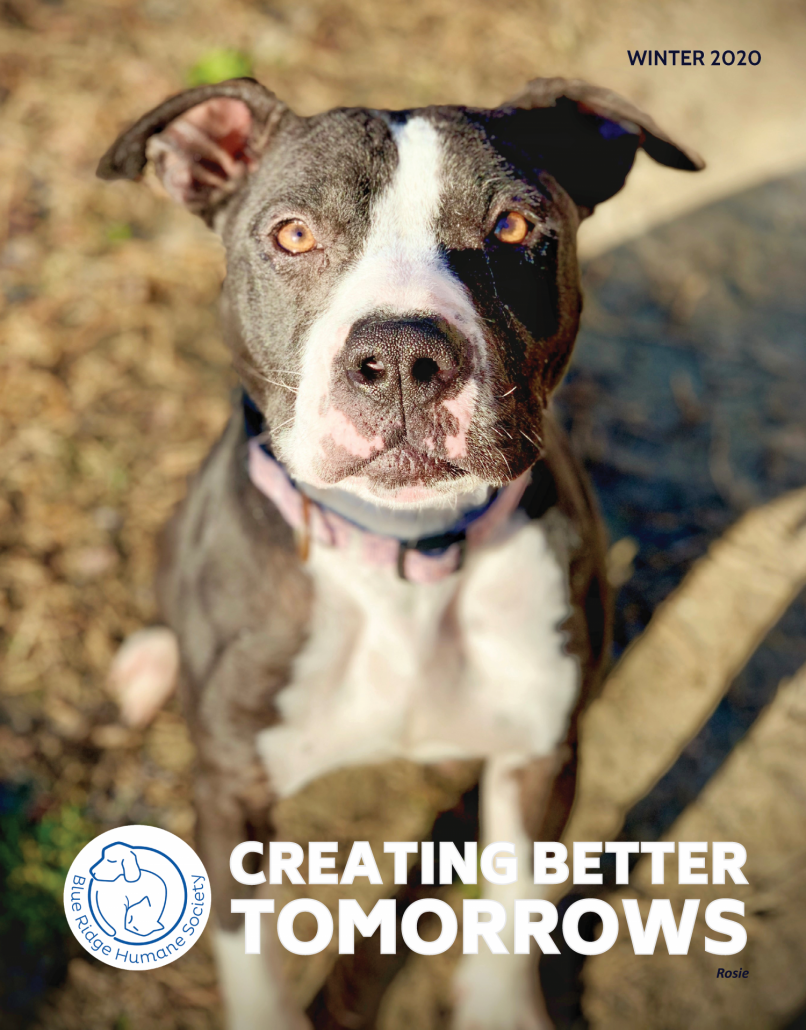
(203, 142)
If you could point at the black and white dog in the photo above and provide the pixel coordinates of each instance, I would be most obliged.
(391, 552)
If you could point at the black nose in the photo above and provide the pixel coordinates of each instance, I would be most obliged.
(413, 359)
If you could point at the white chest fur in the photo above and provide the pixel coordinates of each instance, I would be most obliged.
(473, 666)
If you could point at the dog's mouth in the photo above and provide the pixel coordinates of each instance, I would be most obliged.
(406, 465)
(402, 469)
(399, 465)
(407, 477)
(435, 454)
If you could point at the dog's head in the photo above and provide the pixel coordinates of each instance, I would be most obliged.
(116, 860)
(402, 292)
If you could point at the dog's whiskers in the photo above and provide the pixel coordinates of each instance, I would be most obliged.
(506, 461)
(275, 382)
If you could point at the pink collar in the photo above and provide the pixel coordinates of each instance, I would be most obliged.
(311, 521)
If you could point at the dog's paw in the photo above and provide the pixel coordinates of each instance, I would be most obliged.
(505, 1016)
(143, 674)
(526, 1018)
(490, 997)
(270, 1020)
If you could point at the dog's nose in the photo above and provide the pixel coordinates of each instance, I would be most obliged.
(413, 359)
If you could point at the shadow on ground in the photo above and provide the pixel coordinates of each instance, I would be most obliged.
(685, 399)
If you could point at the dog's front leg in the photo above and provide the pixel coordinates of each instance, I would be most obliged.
(230, 811)
(234, 801)
(501, 991)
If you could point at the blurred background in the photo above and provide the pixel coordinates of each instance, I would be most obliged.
(685, 399)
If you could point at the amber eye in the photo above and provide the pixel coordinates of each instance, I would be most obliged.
(295, 238)
(512, 227)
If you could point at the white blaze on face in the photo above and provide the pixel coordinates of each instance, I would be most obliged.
(400, 271)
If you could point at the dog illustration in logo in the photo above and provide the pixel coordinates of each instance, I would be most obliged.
(127, 898)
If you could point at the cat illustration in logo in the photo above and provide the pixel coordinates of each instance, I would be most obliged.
(127, 898)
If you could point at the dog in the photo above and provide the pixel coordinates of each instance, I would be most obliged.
(391, 552)
(128, 899)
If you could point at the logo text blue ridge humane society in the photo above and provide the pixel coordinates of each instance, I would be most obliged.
(137, 897)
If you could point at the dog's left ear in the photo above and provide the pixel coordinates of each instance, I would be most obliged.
(585, 136)
(203, 142)
(131, 870)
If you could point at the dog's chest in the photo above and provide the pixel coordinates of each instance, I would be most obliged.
(472, 666)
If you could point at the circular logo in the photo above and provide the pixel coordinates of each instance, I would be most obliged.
(137, 897)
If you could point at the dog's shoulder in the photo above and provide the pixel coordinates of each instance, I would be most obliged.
(227, 561)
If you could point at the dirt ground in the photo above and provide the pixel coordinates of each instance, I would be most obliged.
(114, 382)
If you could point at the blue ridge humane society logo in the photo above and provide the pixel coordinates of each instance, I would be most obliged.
(137, 897)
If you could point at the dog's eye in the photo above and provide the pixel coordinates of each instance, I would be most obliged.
(512, 227)
(295, 238)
